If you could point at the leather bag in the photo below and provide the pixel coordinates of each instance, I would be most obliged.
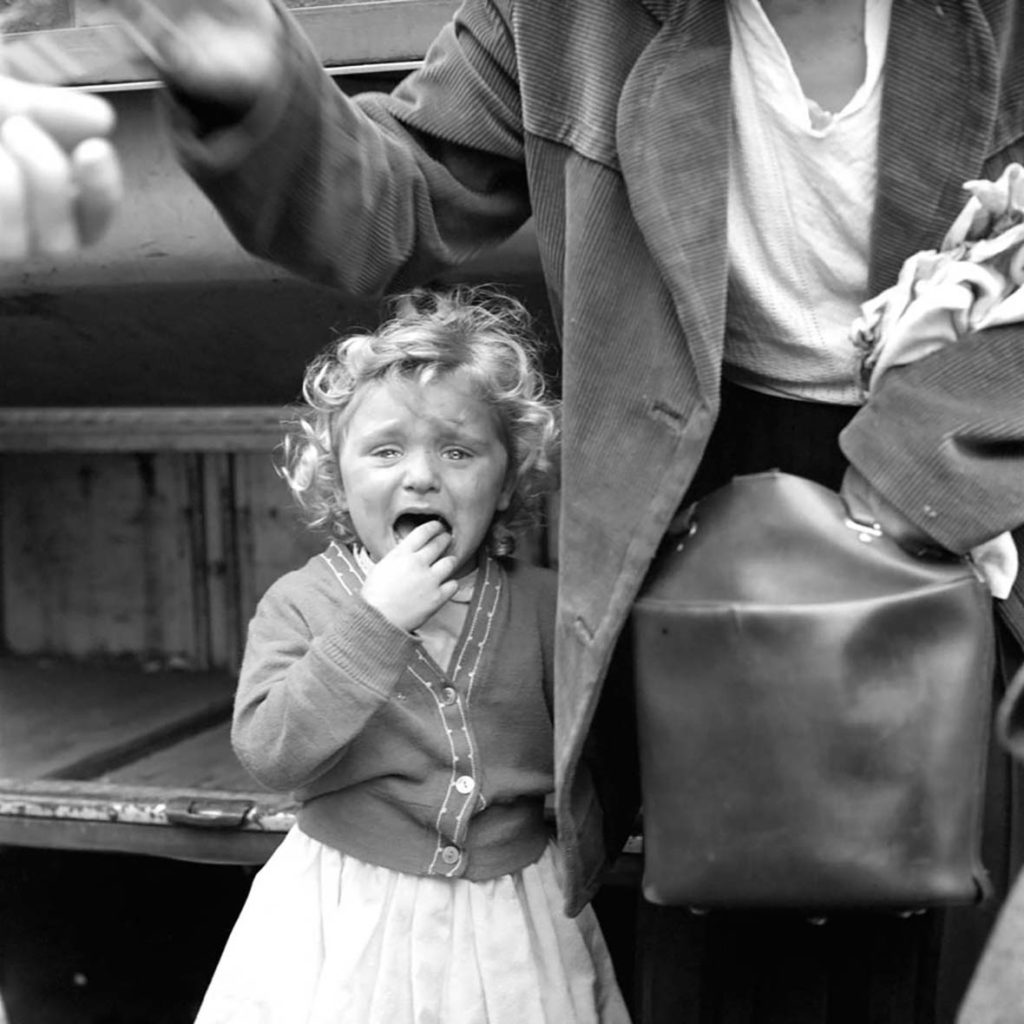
(813, 707)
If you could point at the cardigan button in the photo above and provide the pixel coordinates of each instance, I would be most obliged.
(451, 854)
(465, 783)
(448, 696)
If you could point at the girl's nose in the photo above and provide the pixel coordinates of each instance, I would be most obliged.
(420, 472)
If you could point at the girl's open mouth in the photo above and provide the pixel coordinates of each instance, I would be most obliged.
(408, 521)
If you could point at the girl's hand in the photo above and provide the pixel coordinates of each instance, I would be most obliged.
(60, 179)
(224, 52)
(412, 581)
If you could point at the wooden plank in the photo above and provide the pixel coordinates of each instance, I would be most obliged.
(100, 557)
(158, 556)
(149, 429)
(77, 721)
(225, 626)
(271, 537)
(201, 762)
(358, 36)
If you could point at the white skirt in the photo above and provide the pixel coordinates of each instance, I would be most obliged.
(325, 939)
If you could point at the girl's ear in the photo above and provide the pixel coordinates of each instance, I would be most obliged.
(508, 489)
(340, 501)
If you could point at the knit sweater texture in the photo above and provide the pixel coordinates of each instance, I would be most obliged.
(393, 759)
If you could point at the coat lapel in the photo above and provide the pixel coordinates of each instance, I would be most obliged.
(938, 113)
(673, 131)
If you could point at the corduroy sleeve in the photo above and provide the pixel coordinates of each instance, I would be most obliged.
(381, 191)
(943, 439)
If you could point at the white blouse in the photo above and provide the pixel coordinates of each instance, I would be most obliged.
(801, 194)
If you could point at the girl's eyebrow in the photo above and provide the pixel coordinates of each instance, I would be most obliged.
(464, 435)
(378, 430)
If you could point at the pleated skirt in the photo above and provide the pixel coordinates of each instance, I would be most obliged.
(324, 938)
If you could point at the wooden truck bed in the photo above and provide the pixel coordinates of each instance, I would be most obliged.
(123, 760)
(136, 542)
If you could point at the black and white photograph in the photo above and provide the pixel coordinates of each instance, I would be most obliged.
(511, 511)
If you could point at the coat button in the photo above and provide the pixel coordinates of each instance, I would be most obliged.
(448, 696)
(450, 854)
(465, 783)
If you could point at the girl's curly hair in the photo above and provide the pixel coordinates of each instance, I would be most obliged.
(480, 333)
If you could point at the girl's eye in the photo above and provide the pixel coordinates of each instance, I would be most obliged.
(457, 454)
(386, 452)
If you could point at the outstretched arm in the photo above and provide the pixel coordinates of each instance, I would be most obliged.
(364, 195)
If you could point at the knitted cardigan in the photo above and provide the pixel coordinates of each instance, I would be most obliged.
(393, 760)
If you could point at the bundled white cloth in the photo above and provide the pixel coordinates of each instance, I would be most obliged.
(974, 281)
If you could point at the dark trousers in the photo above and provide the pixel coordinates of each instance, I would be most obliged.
(761, 967)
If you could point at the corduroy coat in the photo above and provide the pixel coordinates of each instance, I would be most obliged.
(609, 122)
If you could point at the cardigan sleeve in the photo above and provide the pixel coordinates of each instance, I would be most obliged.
(943, 439)
(302, 697)
(381, 191)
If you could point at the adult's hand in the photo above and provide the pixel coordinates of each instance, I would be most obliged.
(866, 505)
(60, 179)
(224, 52)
